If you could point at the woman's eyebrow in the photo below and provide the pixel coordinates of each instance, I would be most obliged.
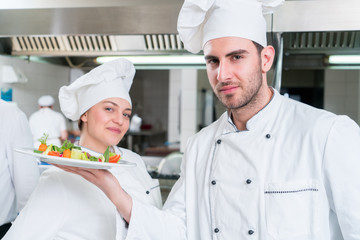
(113, 103)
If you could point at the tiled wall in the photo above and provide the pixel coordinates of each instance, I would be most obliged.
(188, 106)
(342, 92)
(42, 79)
(183, 91)
(174, 105)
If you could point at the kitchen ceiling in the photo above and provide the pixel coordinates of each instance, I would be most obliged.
(73, 33)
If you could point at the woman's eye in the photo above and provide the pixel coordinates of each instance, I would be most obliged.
(109, 109)
(127, 115)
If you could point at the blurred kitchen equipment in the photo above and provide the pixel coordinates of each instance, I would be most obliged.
(170, 165)
(135, 123)
(151, 162)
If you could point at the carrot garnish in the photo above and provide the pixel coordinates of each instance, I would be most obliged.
(66, 153)
(42, 141)
(54, 153)
(114, 159)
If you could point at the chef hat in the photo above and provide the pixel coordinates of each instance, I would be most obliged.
(46, 101)
(202, 20)
(111, 79)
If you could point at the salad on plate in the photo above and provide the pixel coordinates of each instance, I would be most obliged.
(69, 150)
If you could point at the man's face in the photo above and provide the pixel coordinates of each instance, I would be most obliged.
(234, 70)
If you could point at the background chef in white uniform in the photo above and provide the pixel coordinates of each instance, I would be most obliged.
(48, 121)
(270, 167)
(66, 206)
(19, 173)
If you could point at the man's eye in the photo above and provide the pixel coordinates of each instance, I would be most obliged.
(237, 57)
(212, 61)
(127, 115)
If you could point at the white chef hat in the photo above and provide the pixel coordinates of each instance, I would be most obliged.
(111, 79)
(46, 101)
(202, 20)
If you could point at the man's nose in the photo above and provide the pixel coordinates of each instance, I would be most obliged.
(224, 72)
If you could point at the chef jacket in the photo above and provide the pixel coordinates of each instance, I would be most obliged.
(66, 206)
(19, 173)
(293, 174)
(46, 120)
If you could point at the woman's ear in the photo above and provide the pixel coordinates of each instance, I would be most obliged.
(84, 117)
(267, 58)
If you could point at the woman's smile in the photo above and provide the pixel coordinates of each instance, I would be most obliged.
(114, 130)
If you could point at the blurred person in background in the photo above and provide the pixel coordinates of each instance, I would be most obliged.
(47, 121)
(66, 206)
(19, 173)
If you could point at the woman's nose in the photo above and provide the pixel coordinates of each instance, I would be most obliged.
(119, 119)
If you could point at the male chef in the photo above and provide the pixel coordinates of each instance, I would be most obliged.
(270, 167)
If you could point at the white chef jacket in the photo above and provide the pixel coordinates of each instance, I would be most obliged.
(46, 120)
(19, 173)
(66, 206)
(293, 174)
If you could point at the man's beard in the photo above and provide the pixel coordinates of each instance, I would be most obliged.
(248, 95)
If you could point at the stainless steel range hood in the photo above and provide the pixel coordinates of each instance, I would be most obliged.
(95, 45)
(132, 27)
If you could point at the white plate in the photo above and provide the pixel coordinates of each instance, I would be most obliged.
(74, 162)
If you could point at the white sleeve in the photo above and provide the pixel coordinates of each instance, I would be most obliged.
(44, 214)
(24, 168)
(341, 174)
(149, 222)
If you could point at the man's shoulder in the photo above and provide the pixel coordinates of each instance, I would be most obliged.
(308, 117)
(55, 114)
(292, 106)
(10, 108)
(13, 112)
(213, 128)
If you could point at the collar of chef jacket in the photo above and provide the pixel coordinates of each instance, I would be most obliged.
(257, 118)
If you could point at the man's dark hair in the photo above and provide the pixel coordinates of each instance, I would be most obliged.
(259, 48)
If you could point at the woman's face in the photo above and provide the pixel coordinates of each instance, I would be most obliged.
(105, 124)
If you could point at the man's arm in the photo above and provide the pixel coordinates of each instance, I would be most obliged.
(341, 173)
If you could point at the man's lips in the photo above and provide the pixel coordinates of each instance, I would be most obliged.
(228, 89)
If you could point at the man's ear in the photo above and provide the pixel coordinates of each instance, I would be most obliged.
(267, 58)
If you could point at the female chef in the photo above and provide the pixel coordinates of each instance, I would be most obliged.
(66, 206)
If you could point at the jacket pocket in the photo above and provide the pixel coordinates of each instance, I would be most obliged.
(290, 208)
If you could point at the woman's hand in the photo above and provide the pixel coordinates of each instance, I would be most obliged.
(104, 180)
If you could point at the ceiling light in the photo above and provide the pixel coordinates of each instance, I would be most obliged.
(159, 60)
(344, 59)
